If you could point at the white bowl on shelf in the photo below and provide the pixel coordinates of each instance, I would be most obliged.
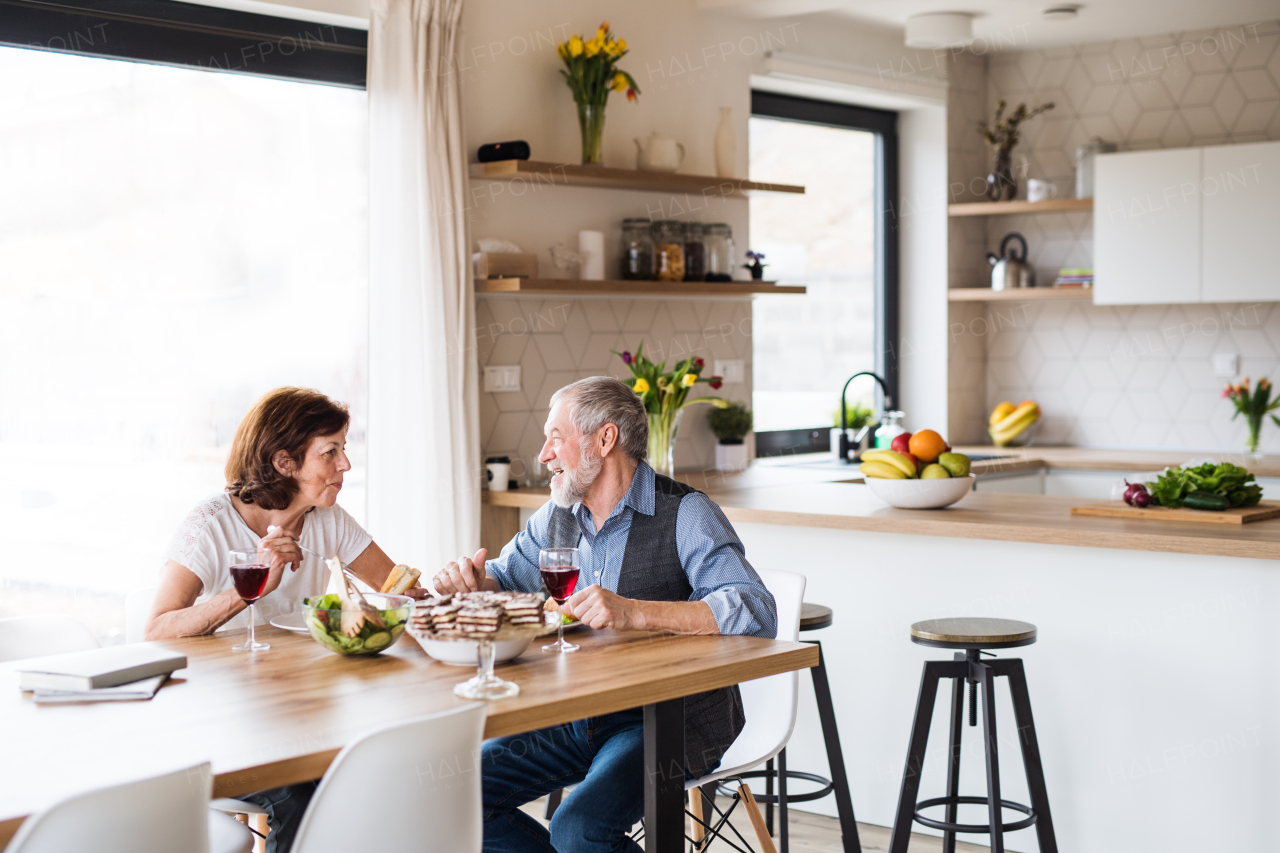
(466, 652)
(921, 494)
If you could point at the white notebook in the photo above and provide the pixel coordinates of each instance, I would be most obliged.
(144, 689)
(93, 670)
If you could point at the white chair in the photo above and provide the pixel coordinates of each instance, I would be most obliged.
(770, 705)
(137, 607)
(37, 636)
(162, 814)
(424, 775)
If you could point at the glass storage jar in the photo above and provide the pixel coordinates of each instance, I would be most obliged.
(695, 253)
(637, 250)
(717, 238)
(668, 249)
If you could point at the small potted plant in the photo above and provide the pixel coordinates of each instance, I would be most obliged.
(858, 416)
(757, 265)
(731, 425)
(1001, 136)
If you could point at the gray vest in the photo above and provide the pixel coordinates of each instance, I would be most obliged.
(651, 571)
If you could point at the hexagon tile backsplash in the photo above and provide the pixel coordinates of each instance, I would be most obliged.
(1130, 376)
(557, 340)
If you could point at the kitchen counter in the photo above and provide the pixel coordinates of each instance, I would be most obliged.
(827, 496)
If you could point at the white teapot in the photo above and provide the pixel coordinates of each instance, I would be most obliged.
(659, 153)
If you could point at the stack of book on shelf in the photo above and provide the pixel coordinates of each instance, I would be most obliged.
(1074, 278)
(101, 675)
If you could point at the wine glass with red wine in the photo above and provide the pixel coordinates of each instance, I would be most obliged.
(559, 567)
(249, 570)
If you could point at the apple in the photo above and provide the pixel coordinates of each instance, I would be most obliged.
(901, 443)
(956, 463)
(935, 472)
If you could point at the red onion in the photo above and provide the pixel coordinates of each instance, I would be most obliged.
(1142, 499)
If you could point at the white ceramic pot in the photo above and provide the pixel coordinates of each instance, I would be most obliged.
(659, 153)
(921, 494)
(731, 457)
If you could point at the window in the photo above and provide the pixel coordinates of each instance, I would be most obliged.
(839, 239)
(174, 243)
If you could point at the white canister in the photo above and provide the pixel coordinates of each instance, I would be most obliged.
(499, 474)
(591, 247)
(1084, 164)
(731, 457)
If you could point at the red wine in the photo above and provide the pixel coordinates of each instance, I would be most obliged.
(250, 580)
(560, 581)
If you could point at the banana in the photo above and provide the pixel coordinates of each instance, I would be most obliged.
(1003, 436)
(881, 471)
(1000, 412)
(1025, 409)
(894, 458)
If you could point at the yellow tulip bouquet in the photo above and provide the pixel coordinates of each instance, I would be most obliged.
(665, 394)
(591, 70)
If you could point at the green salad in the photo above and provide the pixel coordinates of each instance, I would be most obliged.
(325, 624)
(1208, 486)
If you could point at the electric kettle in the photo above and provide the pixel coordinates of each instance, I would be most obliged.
(1009, 270)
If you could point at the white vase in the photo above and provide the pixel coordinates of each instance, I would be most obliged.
(731, 457)
(726, 145)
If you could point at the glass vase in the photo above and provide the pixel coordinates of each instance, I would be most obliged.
(591, 123)
(662, 441)
(1001, 184)
(1255, 431)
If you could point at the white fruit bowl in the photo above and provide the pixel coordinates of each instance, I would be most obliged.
(921, 494)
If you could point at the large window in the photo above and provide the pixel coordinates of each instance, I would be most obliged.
(173, 243)
(838, 239)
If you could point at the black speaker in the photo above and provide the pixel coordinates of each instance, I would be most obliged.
(494, 151)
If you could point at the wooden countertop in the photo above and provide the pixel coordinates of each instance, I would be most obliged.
(818, 496)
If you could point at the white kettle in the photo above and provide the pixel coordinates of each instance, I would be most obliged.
(659, 153)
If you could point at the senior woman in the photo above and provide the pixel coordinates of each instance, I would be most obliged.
(285, 470)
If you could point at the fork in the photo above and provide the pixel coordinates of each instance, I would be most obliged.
(304, 549)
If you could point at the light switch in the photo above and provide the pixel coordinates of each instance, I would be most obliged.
(1226, 364)
(502, 378)
(731, 370)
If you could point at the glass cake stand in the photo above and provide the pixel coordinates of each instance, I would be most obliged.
(486, 685)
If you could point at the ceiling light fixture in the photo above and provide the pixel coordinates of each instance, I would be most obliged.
(1061, 13)
(938, 29)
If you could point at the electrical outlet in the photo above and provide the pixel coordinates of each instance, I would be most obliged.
(1226, 364)
(731, 370)
(502, 378)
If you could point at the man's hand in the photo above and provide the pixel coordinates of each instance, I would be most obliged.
(465, 575)
(597, 607)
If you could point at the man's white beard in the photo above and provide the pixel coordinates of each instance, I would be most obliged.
(572, 486)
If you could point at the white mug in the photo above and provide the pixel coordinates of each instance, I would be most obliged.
(1038, 190)
(499, 476)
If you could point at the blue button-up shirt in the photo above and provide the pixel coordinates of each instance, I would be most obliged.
(710, 552)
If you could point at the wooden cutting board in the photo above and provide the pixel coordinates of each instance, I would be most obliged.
(1239, 515)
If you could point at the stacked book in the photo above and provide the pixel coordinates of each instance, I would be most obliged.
(101, 675)
(1074, 278)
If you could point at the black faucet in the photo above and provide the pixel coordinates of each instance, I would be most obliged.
(844, 429)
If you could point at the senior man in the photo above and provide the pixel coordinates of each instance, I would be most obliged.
(656, 555)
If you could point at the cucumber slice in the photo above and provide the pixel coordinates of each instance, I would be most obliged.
(317, 627)
(377, 641)
(397, 631)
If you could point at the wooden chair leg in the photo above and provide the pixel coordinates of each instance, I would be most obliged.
(260, 844)
(695, 808)
(757, 819)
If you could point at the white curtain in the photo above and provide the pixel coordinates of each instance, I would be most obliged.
(424, 445)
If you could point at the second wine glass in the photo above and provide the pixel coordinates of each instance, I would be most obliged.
(559, 567)
(249, 571)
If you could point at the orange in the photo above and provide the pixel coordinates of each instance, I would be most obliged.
(926, 445)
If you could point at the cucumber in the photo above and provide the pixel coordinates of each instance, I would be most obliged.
(1205, 500)
(377, 641)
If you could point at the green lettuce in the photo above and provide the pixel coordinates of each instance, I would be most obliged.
(1231, 481)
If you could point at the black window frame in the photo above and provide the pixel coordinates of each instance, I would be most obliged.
(884, 124)
(188, 35)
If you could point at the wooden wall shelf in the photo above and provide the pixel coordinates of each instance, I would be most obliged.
(672, 289)
(570, 175)
(1024, 294)
(1003, 208)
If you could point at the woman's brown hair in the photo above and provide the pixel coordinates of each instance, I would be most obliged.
(285, 419)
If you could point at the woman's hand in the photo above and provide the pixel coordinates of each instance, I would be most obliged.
(282, 545)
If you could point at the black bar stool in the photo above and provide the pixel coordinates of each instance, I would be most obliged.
(812, 617)
(973, 635)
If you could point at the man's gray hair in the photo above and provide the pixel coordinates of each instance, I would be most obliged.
(600, 400)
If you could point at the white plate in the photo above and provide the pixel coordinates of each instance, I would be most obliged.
(464, 652)
(291, 622)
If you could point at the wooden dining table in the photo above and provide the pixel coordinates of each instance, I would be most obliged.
(279, 717)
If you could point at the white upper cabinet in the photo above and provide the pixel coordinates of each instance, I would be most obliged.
(1146, 227)
(1241, 255)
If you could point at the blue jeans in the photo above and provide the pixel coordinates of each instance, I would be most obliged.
(603, 756)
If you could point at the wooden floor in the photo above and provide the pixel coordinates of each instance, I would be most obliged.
(811, 832)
